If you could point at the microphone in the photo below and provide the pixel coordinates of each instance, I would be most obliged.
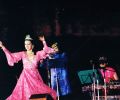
(91, 61)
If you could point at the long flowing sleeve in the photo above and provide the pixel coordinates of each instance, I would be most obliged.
(12, 57)
(43, 54)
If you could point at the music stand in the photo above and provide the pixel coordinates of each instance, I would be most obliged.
(86, 76)
(91, 77)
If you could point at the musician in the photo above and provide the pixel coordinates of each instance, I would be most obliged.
(57, 63)
(108, 73)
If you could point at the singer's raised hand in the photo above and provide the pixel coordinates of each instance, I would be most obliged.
(41, 38)
(1, 44)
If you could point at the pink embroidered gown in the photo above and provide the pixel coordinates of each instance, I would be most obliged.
(30, 81)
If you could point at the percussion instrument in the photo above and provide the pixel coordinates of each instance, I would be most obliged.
(111, 85)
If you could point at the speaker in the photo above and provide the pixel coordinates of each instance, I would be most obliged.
(40, 97)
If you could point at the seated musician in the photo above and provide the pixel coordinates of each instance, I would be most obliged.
(108, 73)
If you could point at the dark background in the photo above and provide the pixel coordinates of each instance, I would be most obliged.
(90, 29)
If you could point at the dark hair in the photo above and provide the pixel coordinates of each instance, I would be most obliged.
(102, 60)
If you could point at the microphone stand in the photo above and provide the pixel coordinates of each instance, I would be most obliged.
(98, 93)
(94, 85)
(93, 79)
